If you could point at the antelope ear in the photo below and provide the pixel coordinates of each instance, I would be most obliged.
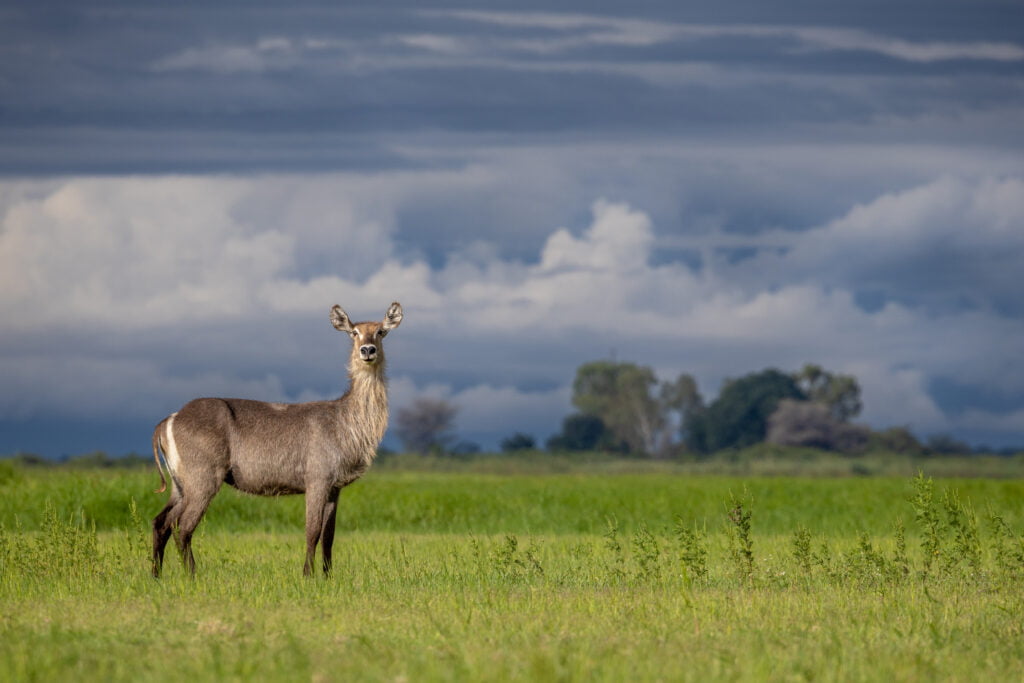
(340, 320)
(393, 318)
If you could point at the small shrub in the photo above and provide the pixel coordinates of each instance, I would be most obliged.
(647, 554)
(742, 544)
(927, 516)
(900, 561)
(64, 548)
(512, 564)
(1008, 546)
(694, 553)
(6, 543)
(505, 556)
(963, 524)
(616, 564)
(582, 555)
(8, 473)
(823, 559)
(802, 549)
(867, 564)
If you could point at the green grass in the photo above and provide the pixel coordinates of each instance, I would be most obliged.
(573, 576)
(447, 502)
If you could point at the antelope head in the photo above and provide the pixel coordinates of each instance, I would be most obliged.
(367, 338)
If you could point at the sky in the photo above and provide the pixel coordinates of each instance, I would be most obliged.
(706, 188)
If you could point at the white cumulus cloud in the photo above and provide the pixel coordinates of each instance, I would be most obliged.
(215, 266)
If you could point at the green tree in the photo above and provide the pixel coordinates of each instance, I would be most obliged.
(580, 433)
(683, 398)
(739, 416)
(839, 393)
(426, 425)
(620, 394)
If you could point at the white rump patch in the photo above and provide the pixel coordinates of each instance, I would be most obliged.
(172, 457)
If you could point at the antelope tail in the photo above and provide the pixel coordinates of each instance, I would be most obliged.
(157, 446)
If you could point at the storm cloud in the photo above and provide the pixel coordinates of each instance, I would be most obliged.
(185, 192)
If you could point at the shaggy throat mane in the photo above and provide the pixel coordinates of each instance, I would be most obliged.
(365, 409)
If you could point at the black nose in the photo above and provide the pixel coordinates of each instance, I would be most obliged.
(367, 352)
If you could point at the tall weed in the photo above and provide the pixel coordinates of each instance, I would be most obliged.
(900, 561)
(693, 550)
(1008, 546)
(647, 555)
(802, 549)
(615, 563)
(513, 564)
(964, 547)
(741, 541)
(927, 516)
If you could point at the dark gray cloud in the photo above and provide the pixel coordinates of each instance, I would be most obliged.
(120, 87)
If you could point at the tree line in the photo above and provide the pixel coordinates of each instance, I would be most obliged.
(623, 408)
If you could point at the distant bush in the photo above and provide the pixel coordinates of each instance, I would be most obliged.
(94, 460)
(31, 460)
(944, 444)
(812, 424)
(518, 442)
(464, 448)
(103, 460)
(425, 426)
(8, 473)
(897, 440)
(580, 433)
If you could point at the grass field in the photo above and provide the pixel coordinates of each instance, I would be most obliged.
(555, 576)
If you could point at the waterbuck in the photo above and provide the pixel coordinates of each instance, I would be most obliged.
(271, 449)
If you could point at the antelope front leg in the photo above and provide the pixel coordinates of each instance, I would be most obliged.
(316, 503)
(327, 532)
